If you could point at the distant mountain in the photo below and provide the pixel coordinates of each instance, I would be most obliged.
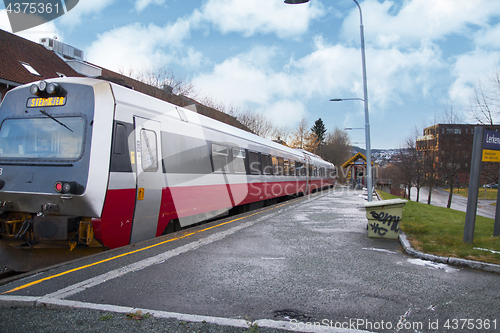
(379, 156)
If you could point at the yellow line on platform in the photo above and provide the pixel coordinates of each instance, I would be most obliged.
(135, 251)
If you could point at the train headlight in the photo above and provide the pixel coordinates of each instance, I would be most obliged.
(42, 85)
(34, 89)
(37, 89)
(69, 187)
(53, 88)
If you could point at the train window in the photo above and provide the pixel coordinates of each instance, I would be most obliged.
(149, 151)
(239, 160)
(267, 167)
(280, 166)
(120, 144)
(298, 168)
(254, 163)
(292, 168)
(274, 160)
(315, 171)
(219, 157)
(286, 167)
(42, 138)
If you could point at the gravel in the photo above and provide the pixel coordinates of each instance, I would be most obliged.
(40, 319)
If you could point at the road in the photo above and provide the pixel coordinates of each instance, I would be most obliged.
(440, 198)
(306, 265)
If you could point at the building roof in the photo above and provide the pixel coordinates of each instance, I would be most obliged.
(23, 61)
(354, 159)
(16, 50)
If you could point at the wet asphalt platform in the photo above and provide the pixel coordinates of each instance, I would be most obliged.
(304, 265)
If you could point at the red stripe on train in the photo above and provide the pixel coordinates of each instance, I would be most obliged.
(114, 227)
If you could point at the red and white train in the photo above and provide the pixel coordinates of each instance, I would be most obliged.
(86, 163)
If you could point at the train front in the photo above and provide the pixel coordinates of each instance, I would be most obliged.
(52, 179)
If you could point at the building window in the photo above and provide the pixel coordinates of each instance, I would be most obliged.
(29, 68)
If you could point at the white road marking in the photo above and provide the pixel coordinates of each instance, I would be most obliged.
(136, 266)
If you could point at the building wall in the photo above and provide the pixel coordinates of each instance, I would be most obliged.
(449, 145)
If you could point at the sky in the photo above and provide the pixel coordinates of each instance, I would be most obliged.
(423, 57)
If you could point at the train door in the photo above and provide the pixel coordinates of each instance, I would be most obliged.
(308, 173)
(149, 179)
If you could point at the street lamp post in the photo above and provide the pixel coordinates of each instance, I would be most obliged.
(365, 100)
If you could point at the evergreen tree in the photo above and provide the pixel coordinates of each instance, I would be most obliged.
(320, 130)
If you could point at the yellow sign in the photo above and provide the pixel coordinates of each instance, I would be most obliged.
(491, 155)
(140, 194)
(36, 102)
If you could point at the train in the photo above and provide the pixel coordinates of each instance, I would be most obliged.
(87, 165)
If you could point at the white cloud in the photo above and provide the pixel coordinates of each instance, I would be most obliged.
(330, 71)
(140, 5)
(334, 71)
(260, 16)
(284, 113)
(246, 79)
(138, 47)
(84, 8)
(470, 69)
(488, 37)
(417, 20)
(34, 34)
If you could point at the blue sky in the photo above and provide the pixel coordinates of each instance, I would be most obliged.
(286, 61)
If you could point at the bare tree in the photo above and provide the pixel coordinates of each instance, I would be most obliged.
(337, 149)
(257, 122)
(282, 134)
(406, 168)
(453, 161)
(166, 82)
(430, 171)
(485, 105)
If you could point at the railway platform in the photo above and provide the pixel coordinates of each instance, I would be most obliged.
(302, 265)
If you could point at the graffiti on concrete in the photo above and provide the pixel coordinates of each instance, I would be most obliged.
(388, 222)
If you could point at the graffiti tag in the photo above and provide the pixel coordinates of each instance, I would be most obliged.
(389, 222)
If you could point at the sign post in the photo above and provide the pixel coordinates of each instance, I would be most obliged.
(475, 173)
(486, 148)
(491, 153)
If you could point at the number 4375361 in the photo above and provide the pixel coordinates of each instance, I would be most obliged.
(32, 8)
(471, 324)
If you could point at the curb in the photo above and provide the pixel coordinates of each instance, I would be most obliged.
(54, 304)
(483, 266)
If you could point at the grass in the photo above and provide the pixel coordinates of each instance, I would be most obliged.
(440, 231)
(484, 193)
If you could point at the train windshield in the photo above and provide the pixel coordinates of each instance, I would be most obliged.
(42, 138)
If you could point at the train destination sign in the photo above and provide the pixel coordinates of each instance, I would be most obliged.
(36, 102)
(491, 146)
